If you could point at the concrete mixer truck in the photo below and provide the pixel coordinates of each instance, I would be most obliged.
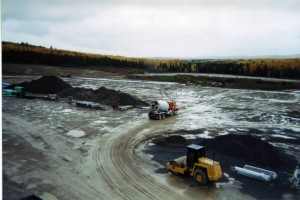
(162, 108)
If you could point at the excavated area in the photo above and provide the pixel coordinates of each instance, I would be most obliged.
(55, 85)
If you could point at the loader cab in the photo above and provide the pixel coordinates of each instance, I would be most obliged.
(194, 152)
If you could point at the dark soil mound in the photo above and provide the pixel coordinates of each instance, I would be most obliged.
(53, 84)
(45, 85)
(174, 140)
(252, 150)
(102, 95)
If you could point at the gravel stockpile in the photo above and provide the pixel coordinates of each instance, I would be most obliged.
(252, 150)
(174, 140)
(245, 149)
(45, 85)
(54, 85)
(102, 95)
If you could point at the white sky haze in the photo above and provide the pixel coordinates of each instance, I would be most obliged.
(157, 28)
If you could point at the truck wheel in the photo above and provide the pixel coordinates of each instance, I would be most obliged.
(159, 117)
(200, 176)
(163, 116)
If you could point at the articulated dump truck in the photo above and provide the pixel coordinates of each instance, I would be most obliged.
(161, 108)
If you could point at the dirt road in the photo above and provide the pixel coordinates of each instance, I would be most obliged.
(115, 165)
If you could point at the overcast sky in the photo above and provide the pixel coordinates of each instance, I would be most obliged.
(157, 28)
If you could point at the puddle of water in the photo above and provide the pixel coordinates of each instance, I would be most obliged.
(66, 111)
(205, 135)
(76, 133)
(223, 133)
(98, 122)
(202, 135)
(282, 136)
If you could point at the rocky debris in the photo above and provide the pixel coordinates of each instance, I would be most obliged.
(54, 85)
(45, 85)
(174, 141)
(251, 150)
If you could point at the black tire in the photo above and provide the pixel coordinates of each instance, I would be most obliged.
(159, 117)
(163, 116)
(200, 177)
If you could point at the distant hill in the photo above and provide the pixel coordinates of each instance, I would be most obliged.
(286, 66)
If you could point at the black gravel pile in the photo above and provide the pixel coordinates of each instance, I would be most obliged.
(174, 140)
(252, 150)
(55, 85)
(45, 85)
(102, 95)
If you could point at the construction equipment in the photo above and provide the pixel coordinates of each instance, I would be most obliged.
(162, 108)
(197, 165)
(295, 180)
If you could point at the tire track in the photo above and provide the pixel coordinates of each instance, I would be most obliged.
(116, 167)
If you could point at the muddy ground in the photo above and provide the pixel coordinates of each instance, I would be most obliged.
(60, 151)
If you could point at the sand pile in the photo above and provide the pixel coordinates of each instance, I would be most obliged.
(45, 85)
(54, 85)
(251, 150)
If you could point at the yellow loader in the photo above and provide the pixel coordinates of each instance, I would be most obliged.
(196, 165)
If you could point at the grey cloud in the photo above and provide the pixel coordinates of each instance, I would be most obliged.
(157, 28)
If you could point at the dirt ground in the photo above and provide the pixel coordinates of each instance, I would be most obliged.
(60, 151)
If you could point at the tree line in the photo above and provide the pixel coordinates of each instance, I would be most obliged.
(25, 53)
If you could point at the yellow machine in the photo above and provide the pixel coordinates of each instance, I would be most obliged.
(197, 165)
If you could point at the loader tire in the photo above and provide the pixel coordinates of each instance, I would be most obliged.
(200, 177)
